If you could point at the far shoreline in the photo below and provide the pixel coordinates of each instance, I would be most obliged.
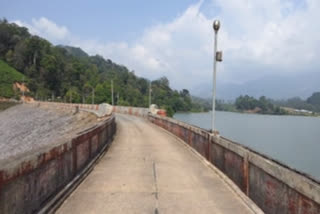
(251, 113)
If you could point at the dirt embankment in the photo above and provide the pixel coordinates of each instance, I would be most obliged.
(26, 129)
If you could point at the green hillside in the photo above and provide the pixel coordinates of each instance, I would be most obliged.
(69, 74)
(8, 76)
(77, 52)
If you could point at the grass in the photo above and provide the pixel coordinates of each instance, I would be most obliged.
(8, 76)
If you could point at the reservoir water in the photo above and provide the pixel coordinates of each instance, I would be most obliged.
(293, 140)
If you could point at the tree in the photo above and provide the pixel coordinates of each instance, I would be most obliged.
(73, 96)
(70, 73)
(314, 99)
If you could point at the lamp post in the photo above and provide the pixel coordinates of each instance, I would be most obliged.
(112, 92)
(150, 93)
(92, 97)
(217, 56)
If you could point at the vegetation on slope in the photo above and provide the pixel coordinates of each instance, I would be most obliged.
(250, 104)
(69, 74)
(314, 100)
(77, 52)
(8, 76)
(261, 105)
(312, 103)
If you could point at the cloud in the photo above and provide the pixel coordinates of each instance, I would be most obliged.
(48, 29)
(258, 38)
(177, 49)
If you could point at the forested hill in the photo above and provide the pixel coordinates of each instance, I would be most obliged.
(77, 52)
(70, 74)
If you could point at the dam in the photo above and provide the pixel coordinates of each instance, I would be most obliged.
(131, 160)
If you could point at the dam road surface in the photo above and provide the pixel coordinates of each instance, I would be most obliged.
(148, 170)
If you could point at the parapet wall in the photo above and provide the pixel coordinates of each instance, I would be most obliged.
(100, 110)
(136, 111)
(27, 186)
(274, 187)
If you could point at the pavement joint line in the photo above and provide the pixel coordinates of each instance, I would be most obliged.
(151, 172)
(156, 211)
(230, 184)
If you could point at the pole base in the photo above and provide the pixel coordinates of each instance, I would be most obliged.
(215, 133)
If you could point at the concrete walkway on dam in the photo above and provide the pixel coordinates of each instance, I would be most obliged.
(147, 170)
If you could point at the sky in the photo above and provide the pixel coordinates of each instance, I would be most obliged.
(263, 42)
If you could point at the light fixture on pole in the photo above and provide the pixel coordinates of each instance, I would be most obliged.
(217, 56)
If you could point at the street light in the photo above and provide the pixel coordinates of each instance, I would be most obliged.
(150, 90)
(217, 56)
(92, 97)
(112, 92)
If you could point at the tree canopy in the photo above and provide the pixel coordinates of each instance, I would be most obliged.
(72, 75)
(261, 105)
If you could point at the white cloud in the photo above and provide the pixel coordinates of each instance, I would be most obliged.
(257, 37)
(48, 29)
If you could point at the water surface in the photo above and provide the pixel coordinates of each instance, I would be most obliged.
(293, 140)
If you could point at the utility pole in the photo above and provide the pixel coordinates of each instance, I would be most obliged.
(217, 56)
(92, 95)
(112, 91)
(150, 93)
(117, 98)
(22, 89)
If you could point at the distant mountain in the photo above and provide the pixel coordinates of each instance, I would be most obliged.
(282, 86)
(74, 51)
